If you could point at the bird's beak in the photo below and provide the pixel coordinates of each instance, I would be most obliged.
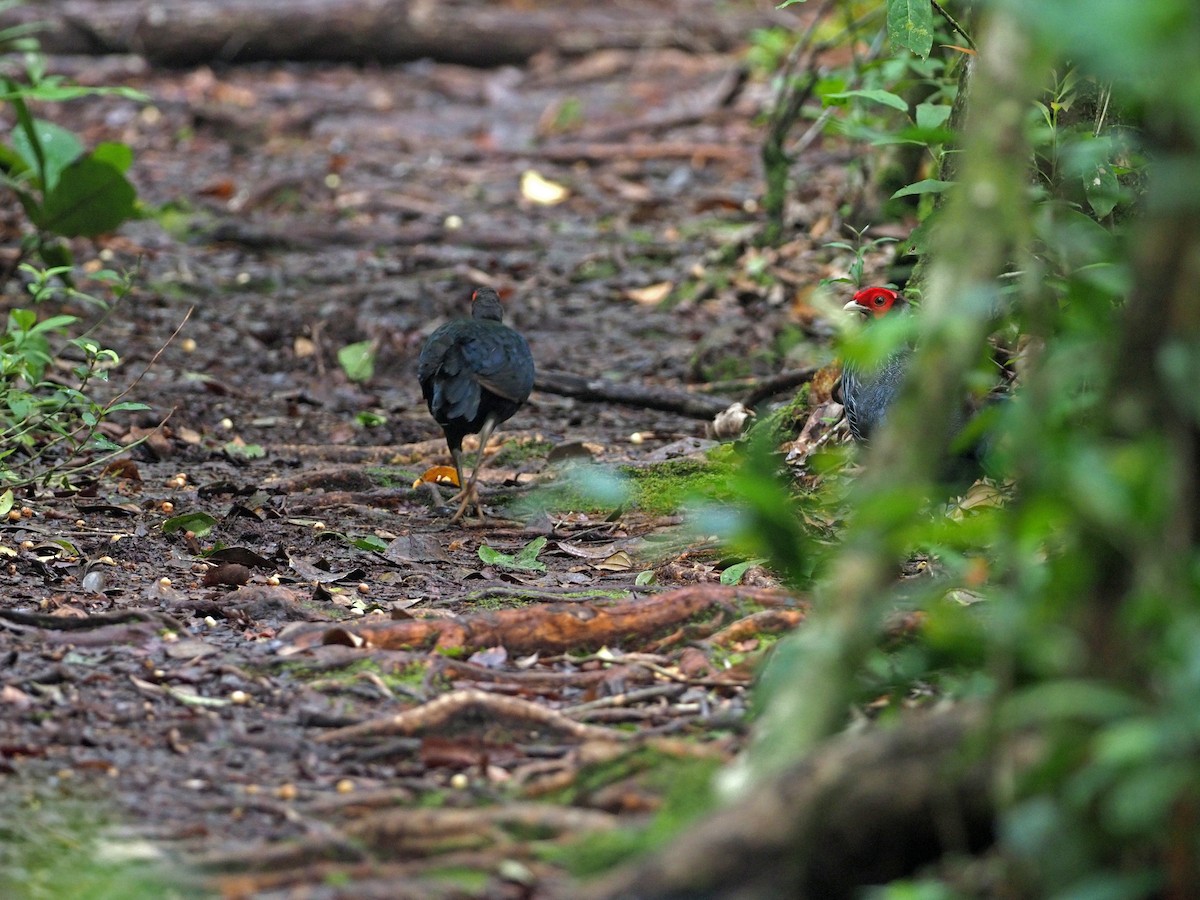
(853, 306)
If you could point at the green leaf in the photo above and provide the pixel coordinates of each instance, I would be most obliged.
(887, 98)
(926, 186)
(530, 551)
(116, 154)
(932, 115)
(734, 574)
(369, 542)
(59, 148)
(239, 450)
(525, 560)
(199, 523)
(6, 502)
(910, 24)
(357, 360)
(92, 197)
(1103, 191)
(368, 419)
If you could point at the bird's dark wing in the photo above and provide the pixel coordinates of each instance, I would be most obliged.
(447, 377)
(502, 363)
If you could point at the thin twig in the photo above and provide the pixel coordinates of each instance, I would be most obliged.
(953, 24)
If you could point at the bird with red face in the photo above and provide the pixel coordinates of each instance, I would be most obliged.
(867, 394)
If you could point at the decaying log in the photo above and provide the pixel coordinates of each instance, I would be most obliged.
(189, 32)
(865, 808)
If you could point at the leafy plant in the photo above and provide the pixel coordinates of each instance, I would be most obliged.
(48, 426)
(65, 190)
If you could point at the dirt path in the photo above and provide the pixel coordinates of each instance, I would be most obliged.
(299, 209)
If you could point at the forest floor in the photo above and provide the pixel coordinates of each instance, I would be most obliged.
(394, 704)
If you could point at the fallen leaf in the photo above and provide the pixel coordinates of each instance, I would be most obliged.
(541, 191)
(652, 294)
(618, 562)
(438, 475)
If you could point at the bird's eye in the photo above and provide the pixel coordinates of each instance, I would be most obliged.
(878, 301)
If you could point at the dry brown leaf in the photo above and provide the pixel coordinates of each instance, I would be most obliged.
(618, 562)
(652, 294)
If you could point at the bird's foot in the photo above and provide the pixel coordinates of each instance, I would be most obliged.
(467, 498)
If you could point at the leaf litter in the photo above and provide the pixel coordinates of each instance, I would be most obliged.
(295, 720)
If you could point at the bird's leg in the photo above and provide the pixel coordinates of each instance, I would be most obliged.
(456, 455)
(469, 496)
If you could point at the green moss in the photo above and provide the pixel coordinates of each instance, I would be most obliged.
(665, 487)
(391, 476)
(783, 424)
(516, 452)
(407, 676)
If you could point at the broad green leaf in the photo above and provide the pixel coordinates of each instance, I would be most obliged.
(530, 551)
(927, 186)
(932, 115)
(357, 360)
(6, 502)
(1103, 191)
(524, 560)
(117, 155)
(199, 523)
(369, 542)
(735, 573)
(910, 24)
(59, 148)
(92, 197)
(887, 98)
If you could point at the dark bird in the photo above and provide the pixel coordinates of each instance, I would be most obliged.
(867, 394)
(474, 373)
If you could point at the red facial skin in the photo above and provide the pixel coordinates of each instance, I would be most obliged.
(878, 301)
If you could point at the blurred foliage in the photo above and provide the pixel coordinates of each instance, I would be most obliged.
(1071, 610)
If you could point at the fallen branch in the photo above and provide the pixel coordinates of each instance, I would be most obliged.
(549, 628)
(602, 390)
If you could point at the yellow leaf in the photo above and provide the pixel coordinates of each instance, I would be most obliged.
(542, 191)
(652, 294)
